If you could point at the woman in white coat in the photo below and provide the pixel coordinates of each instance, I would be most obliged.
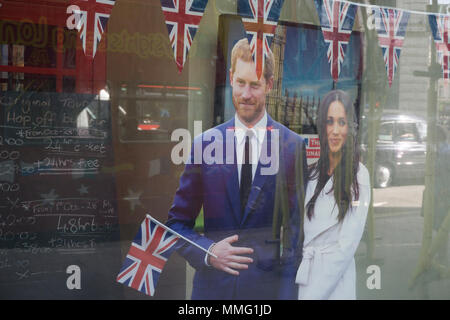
(336, 205)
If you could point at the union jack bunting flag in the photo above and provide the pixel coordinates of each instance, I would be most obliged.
(147, 256)
(182, 20)
(336, 20)
(92, 20)
(391, 28)
(440, 28)
(260, 19)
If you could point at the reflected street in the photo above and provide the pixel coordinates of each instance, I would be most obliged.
(403, 199)
(398, 228)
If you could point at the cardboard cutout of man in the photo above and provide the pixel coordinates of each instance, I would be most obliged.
(242, 218)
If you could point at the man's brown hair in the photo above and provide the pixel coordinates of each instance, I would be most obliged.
(241, 50)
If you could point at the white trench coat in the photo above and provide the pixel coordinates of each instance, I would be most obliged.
(327, 270)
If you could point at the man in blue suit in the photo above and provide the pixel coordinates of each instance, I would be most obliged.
(252, 202)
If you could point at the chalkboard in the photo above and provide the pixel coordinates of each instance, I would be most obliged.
(59, 230)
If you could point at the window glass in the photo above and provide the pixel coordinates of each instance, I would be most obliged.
(113, 110)
(406, 131)
(422, 130)
(386, 132)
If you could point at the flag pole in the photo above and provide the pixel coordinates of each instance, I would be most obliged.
(182, 237)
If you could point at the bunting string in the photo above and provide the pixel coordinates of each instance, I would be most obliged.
(372, 6)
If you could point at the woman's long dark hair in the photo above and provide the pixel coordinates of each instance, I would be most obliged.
(345, 173)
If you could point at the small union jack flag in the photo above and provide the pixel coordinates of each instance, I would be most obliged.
(336, 19)
(260, 19)
(92, 19)
(391, 28)
(440, 28)
(182, 20)
(147, 256)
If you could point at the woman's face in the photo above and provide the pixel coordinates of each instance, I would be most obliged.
(337, 126)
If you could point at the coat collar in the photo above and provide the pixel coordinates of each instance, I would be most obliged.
(319, 224)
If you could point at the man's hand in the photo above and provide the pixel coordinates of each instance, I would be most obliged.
(229, 257)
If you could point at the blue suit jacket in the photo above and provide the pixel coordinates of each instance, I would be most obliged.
(215, 187)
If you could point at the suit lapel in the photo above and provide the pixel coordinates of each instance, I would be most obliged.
(230, 176)
(259, 180)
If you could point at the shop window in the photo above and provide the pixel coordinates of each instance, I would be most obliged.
(69, 84)
(152, 112)
(41, 63)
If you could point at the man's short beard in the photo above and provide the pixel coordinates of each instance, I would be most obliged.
(253, 116)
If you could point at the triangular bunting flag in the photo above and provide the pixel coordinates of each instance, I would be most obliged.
(440, 28)
(260, 19)
(182, 20)
(391, 28)
(92, 19)
(336, 20)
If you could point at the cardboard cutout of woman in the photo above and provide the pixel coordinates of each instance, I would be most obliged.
(336, 205)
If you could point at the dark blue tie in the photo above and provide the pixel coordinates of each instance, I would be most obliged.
(246, 173)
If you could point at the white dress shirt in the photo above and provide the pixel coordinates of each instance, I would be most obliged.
(256, 141)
